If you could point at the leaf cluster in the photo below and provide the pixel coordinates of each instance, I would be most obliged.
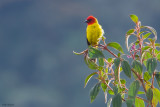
(144, 52)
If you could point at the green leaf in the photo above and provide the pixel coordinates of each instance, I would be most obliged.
(117, 100)
(91, 64)
(157, 75)
(109, 102)
(115, 90)
(146, 76)
(126, 68)
(94, 53)
(133, 89)
(137, 66)
(111, 92)
(88, 78)
(139, 103)
(156, 97)
(123, 81)
(94, 92)
(151, 29)
(149, 94)
(119, 55)
(145, 48)
(157, 44)
(134, 18)
(146, 35)
(150, 39)
(104, 87)
(158, 57)
(110, 60)
(145, 56)
(116, 63)
(116, 46)
(121, 89)
(129, 32)
(141, 92)
(101, 62)
(137, 42)
(130, 102)
(151, 65)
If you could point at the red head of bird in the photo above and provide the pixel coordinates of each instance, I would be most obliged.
(90, 20)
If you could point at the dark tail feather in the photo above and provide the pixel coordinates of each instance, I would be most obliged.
(88, 42)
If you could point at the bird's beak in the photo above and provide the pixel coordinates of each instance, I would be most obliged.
(86, 21)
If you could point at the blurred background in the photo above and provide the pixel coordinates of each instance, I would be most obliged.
(37, 39)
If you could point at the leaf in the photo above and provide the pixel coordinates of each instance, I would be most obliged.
(126, 68)
(116, 63)
(145, 48)
(157, 75)
(134, 18)
(117, 100)
(127, 37)
(130, 102)
(137, 66)
(115, 90)
(151, 65)
(146, 76)
(116, 46)
(146, 35)
(141, 92)
(158, 57)
(88, 78)
(101, 62)
(110, 60)
(156, 96)
(104, 87)
(145, 56)
(123, 81)
(94, 53)
(149, 94)
(137, 42)
(157, 44)
(151, 29)
(109, 102)
(151, 40)
(129, 32)
(139, 103)
(133, 89)
(90, 63)
(111, 92)
(94, 92)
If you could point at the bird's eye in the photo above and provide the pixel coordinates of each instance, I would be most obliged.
(89, 20)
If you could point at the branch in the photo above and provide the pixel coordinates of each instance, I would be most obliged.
(140, 79)
(153, 80)
(142, 99)
(105, 48)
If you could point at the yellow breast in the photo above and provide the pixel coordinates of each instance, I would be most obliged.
(94, 33)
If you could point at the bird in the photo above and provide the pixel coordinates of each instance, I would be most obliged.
(94, 31)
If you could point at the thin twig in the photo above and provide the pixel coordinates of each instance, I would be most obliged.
(153, 79)
(142, 99)
(140, 79)
(107, 84)
(105, 48)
